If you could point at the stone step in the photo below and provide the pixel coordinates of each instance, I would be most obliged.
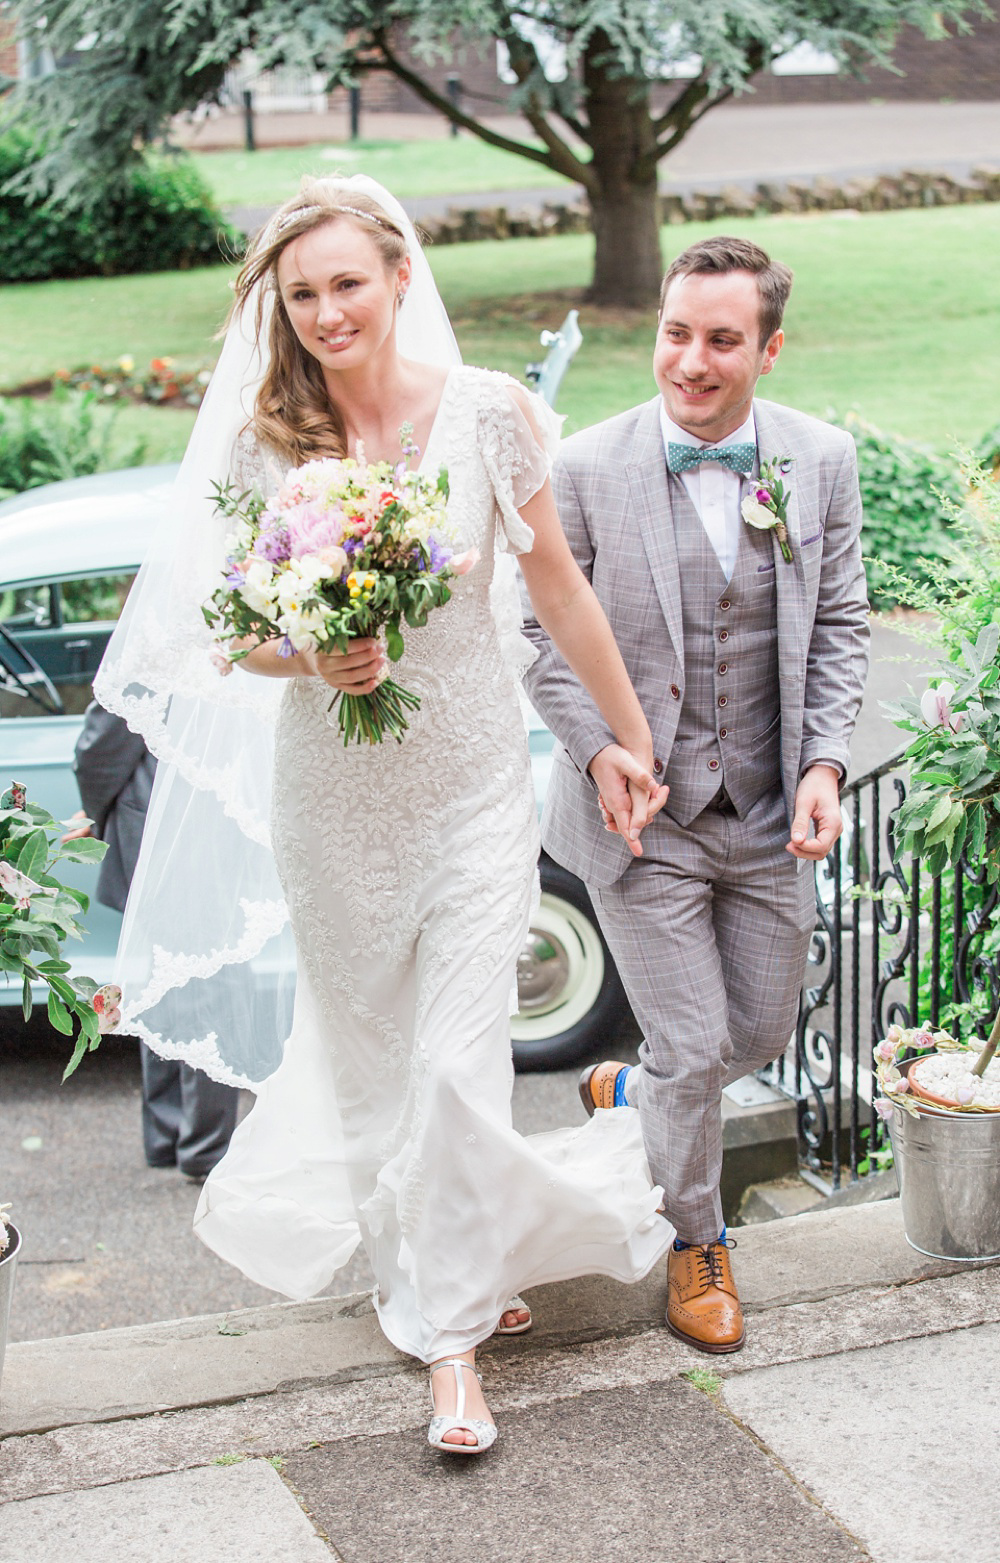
(795, 1195)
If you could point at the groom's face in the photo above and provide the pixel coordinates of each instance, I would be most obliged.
(708, 356)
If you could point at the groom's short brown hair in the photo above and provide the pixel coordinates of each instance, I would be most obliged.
(724, 253)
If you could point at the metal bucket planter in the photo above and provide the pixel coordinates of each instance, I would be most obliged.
(8, 1265)
(948, 1166)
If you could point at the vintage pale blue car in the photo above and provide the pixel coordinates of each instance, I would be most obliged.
(68, 553)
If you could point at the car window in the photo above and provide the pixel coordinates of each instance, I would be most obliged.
(98, 597)
(64, 628)
(26, 607)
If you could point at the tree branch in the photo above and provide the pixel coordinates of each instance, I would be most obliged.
(570, 165)
(525, 64)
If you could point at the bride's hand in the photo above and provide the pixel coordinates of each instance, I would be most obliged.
(627, 793)
(353, 672)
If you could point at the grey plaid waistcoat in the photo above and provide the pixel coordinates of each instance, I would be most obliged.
(729, 729)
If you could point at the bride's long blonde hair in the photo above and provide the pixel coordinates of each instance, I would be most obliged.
(293, 413)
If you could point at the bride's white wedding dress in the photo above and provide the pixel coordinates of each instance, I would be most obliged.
(408, 871)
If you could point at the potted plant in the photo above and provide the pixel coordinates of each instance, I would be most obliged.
(37, 915)
(941, 1094)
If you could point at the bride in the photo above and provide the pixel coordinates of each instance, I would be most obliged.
(404, 870)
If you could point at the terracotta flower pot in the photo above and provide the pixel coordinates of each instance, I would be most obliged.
(921, 1091)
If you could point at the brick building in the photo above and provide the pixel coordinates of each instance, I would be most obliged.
(958, 67)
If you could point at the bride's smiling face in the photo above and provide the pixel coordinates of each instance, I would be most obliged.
(339, 295)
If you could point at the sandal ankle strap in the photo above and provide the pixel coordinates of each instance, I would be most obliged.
(456, 1362)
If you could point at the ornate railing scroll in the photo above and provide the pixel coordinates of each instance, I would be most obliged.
(891, 945)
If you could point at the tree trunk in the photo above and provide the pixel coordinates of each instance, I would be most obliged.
(628, 265)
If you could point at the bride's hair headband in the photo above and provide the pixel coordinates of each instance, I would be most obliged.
(286, 220)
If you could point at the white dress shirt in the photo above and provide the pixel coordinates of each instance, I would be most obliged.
(714, 490)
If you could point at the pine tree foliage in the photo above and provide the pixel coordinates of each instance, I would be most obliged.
(633, 77)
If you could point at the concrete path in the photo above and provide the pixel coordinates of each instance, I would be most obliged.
(297, 1433)
(740, 144)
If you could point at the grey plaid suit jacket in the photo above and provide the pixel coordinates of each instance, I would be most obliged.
(614, 496)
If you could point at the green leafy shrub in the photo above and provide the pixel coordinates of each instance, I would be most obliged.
(954, 757)
(160, 216)
(38, 914)
(988, 450)
(906, 523)
(68, 435)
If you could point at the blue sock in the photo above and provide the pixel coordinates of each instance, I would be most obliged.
(679, 1243)
(620, 1079)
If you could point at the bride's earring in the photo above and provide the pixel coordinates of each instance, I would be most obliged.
(400, 296)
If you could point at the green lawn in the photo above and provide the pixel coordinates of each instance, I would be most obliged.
(438, 166)
(897, 314)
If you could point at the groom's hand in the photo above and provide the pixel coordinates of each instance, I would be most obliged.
(627, 793)
(817, 801)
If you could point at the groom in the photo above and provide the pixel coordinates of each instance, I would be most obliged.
(749, 666)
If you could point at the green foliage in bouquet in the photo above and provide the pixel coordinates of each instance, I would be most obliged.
(38, 914)
(346, 550)
(954, 758)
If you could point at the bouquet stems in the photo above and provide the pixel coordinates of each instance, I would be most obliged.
(369, 718)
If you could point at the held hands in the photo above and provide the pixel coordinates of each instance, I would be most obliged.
(817, 800)
(353, 672)
(627, 793)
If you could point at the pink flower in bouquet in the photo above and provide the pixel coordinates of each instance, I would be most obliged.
(886, 1050)
(883, 1107)
(463, 563)
(220, 661)
(334, 561)
(311, 528)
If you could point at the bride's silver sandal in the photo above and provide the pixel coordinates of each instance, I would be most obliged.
(485, 1433)
(516, 1305)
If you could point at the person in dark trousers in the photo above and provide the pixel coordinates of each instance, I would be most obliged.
(187, 1119)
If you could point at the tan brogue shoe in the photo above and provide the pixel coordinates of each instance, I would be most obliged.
(597, 1085)
(703, 1305)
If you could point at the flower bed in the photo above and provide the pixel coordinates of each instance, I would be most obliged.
(162, 383)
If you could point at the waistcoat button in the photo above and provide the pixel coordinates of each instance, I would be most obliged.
(675, 691)
(657, 766)
(723, 700)
(723, 667)
(713, 765)
(723, 732)
(725, 603)
(723, 634)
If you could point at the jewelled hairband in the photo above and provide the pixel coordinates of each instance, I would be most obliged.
(282, 223)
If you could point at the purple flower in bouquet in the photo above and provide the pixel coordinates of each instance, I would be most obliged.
(274, 543)
(439, 555)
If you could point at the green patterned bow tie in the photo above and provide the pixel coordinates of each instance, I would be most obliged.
(738, 458)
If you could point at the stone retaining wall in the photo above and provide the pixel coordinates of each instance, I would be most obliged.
(881, 193)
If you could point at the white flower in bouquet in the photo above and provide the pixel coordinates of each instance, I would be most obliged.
(343, 549)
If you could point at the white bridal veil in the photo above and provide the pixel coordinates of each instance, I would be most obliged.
(205, 958)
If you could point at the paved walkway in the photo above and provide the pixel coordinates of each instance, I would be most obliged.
(295, 1434)
(739, 144)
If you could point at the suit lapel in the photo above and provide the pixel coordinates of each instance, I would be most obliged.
(649, 486)
(772, 442)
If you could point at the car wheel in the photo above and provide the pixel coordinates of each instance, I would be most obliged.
(570, 994)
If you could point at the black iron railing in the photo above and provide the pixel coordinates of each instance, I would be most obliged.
(891, 946)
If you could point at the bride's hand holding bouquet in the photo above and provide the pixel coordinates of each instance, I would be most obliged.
(329, 568)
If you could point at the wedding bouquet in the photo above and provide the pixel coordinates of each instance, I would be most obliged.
(345, 548)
